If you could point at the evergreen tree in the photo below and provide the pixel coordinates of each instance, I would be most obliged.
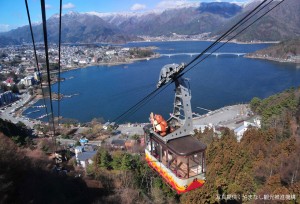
(105, 159)
(126, 163)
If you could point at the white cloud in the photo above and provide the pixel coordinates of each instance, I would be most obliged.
(138, 7)
(5, 27)
(68, 6)
(48, 6)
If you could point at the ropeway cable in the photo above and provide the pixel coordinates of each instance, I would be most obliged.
(139, 104)
(157, 91)
(135, 105)
(36, 59)
(226, 33)
(59, 65)
(149, 97)
(134, 108)
(237, 33)
(47, 60)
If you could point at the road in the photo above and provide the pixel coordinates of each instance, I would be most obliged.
(131, 129)
(8, 112)
(73, 142)
(228, 116)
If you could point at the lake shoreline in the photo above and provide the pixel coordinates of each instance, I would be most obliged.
(109, 64)
(273, 59)
(210, 40)
(157, 55)
(219, 82)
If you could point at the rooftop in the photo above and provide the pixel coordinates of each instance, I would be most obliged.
(86, 155)
(184, 146)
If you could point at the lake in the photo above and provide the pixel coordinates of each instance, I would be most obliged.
(108, 91)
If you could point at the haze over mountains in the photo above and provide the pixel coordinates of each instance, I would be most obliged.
(214, 18)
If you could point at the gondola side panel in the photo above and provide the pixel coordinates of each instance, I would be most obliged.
(179, 185)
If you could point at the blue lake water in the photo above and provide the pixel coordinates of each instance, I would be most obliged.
(108, 91)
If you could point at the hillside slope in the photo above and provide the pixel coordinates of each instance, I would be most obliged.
(265, 162)
(76, 28)
(205, 17)
(280, 24)
(215, 17)
(286, 51)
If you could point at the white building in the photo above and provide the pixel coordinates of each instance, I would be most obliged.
(84, 155)
(30, 70)
(28, 81)
(239, 131)
(202, 127)
(37, 76)
(253, 122)
(82, 62)
(7, 98)
(110, 52)
(125, 49)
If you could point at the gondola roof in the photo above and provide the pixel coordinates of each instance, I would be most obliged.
(184, 146)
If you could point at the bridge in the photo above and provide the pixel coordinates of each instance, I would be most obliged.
(207, 53)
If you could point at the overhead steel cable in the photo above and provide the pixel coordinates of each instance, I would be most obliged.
(144, 102)
(59, 68)
(238, 33)
(134, 106)
(131, 91)
(149, 97)
(234, 35)
(36, 60)
(239, 23)
(47, 60)
(138, 105)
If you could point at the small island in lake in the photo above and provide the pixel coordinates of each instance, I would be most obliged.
(286, 51)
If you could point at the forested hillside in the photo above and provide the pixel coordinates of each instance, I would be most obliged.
(286, 51)
(17, 132)
(28, 180)
(265, 162)
(262, 167)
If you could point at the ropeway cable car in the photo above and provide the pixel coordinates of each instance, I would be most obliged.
(171, 150)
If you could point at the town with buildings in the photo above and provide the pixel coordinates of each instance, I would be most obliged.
(19, 72)
(21, 59)
(20, 79)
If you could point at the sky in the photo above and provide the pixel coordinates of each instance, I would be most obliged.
(13, 12)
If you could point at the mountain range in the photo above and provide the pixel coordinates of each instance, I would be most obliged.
(214, 18)
(282, 23)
